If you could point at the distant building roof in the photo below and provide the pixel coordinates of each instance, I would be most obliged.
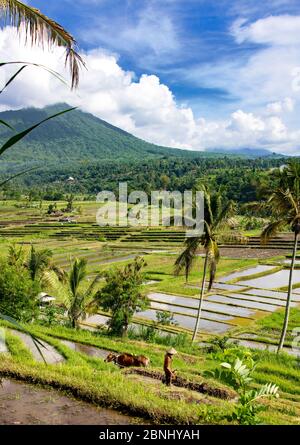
(45, 298)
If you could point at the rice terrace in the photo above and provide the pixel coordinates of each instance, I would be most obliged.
(145, 323)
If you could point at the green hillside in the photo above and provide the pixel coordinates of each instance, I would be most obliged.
(76, 136)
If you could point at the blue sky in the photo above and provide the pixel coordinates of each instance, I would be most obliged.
(221, 60)
(193, 33)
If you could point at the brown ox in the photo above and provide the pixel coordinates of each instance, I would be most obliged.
(125, 360)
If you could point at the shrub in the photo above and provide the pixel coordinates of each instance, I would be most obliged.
(18, 293)
(238, 374)
(122, 295)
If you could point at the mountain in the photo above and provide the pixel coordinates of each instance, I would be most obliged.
(78, 137)
(75, 137)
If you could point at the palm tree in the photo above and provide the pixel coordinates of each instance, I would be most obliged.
(284, 204)
(40, 265)
(216, 217)
(79, 299)
(40, 29)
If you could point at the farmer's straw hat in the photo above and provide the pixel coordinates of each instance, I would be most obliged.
(172, 351)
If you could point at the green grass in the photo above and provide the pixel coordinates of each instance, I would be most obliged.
(95, 381)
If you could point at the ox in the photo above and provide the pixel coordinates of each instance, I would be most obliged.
(126, 360)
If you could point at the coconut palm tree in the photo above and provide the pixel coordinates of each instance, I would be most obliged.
(42, 29)
(284, 205)
(216, 218)
(39, 264)
(80, 299)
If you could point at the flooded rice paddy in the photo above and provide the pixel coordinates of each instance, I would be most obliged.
(219, 310)
(271, 294)
(92, 351)
(23, 404)
(244, 273)
(273, 281)
(49, 354)
(242, 303)
(188, 322)
(192, 303)
(265, 347)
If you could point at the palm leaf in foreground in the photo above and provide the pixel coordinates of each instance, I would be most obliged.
(36, 341)
(17, 137)
(40, 29)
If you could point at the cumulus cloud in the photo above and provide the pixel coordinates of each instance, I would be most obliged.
(143, 106)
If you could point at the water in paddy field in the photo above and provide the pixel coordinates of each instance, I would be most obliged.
(92, 351)
(281, 296)
(259, 299)
(265, 347)
(224, 286)
(189, 322)
(23, 404)
(297, 262)
(49, 353)
(274, 280)
(188, 311)
(97, 319)
(242, 303)
(247, 272)
(194, 303)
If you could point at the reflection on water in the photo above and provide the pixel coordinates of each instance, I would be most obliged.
(265, 347)
(189, 322)
(24, 404)
(92, 351)
(245, 273)
(239, 302)
(187, 311)
(256, 298)
(275, 280)
(194, 303)
(49, 353)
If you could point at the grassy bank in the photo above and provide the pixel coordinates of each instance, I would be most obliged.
(93, 380)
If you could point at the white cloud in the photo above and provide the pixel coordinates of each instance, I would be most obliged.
(280, 30)
(286, 105)
(144, 106)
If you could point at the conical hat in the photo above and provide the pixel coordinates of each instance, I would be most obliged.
(172, 351)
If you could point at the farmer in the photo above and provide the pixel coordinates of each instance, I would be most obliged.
(168, 366)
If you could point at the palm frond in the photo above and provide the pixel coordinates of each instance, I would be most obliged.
(2, 122)
(77, 274)
(187, 257)
(12, 78)
(59, 272)
(282, 202)
(17, 175)
(271, 230)
(225, 215)
(17, 137)
(92, 286)
(40, 29)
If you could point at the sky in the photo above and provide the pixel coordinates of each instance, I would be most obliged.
(193, 74)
